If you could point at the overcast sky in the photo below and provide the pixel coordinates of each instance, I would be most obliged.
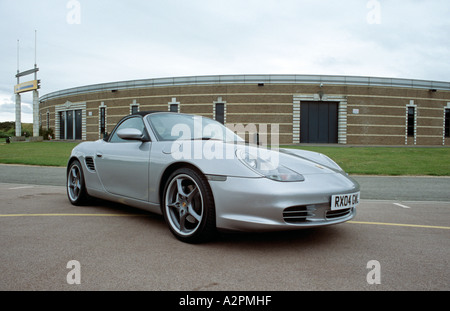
(82, 42)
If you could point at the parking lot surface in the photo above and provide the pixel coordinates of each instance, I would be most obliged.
(390, 245)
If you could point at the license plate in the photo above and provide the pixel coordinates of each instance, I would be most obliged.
(343, 201)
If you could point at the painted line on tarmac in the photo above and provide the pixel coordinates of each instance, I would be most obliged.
(398, 225)
(72, 215)
(144, 215)
(403, 201)
(401, 205)
(22, 187)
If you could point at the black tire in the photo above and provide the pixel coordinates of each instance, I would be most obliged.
(75, 184)
(188, 206)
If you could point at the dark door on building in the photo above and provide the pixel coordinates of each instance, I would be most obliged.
(319, 122)
(69, 127)
(62, 125)
(78, 124)
(71, 124)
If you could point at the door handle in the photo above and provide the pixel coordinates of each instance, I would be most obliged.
(99, 155)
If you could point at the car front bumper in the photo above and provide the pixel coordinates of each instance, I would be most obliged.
(261, 204)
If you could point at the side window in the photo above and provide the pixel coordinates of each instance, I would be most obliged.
(411, 121)
(135, 123)
(102, 121)
(220, 113)
(447, 123)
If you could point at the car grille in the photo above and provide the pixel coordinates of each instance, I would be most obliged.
(296, 214)
(90, 163)
(338, 213)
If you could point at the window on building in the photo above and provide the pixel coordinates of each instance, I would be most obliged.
(48, 120)
(173, 107)
(220, 113)
(134, 109)
(447, 123)
(102, 121)
(411, 120)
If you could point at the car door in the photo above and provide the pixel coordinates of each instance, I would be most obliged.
(123, 165)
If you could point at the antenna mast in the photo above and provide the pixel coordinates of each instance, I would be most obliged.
(18, 59)
(35, 54)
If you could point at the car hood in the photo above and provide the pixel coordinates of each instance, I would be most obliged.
(217, 157)
(300, 161)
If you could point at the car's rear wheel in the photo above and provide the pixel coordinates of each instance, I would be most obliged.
(188, 206)
(76, 188)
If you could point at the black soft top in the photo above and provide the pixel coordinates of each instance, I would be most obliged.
(144, 113)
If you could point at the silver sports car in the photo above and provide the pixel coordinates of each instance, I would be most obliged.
(204, 178)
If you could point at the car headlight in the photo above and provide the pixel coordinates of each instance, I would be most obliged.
(268, 168)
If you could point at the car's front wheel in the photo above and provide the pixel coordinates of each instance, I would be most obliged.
(188, 206)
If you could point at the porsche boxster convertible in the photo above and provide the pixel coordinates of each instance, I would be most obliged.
(204, 178)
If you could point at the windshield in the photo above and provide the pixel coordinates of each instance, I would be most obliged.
(173, 126)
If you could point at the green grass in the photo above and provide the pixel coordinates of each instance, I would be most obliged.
(36, 153)
(354, 160)
(392, 161)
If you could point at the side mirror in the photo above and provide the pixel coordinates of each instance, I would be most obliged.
(130, 134)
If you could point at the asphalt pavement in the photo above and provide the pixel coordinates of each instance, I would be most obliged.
(402, 188)
(121, 248)
(32, 175)
(399, 240)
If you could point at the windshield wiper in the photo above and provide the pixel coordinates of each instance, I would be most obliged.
(205, 138)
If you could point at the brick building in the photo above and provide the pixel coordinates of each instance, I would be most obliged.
(302, 108)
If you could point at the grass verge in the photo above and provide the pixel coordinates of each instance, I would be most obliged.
(389, 161)
(36, 153)
(393, 161)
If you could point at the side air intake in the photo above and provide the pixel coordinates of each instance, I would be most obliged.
(90, 163)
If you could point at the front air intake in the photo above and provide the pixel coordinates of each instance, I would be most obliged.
(296, 214)
(338, 213)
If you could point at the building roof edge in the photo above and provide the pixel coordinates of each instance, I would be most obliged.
(249, 79)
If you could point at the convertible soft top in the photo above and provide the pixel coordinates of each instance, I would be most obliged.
(144, 113)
